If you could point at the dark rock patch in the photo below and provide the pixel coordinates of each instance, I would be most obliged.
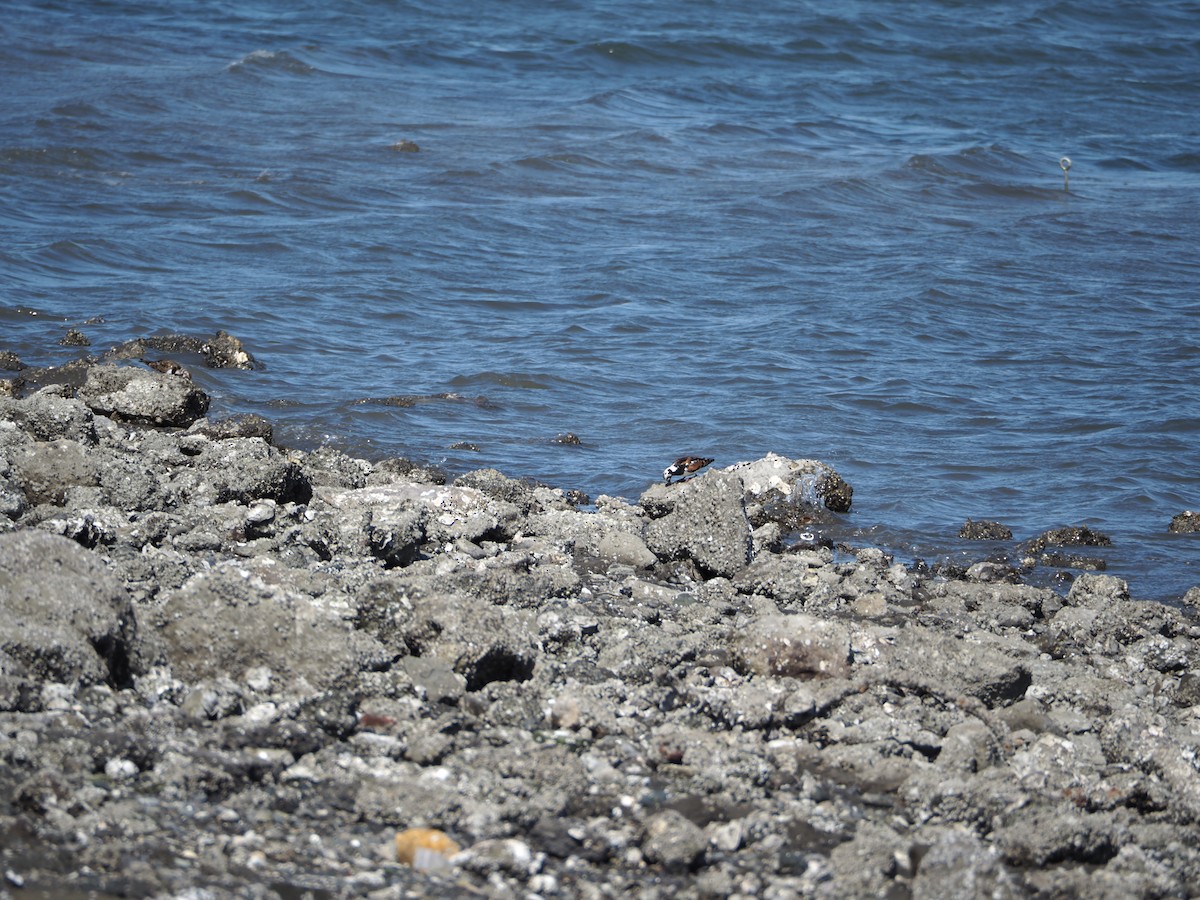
(985, 531)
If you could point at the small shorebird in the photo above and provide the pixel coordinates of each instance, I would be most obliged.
(683, 466)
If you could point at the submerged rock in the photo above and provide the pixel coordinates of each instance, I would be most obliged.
(1186, 522)
(985, 531)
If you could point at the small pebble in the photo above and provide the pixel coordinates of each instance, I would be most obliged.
(261, 513)
(120, 769)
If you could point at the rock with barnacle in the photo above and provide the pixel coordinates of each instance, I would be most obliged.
(131, 394)
(779, 488)
(1186, 522)
(704, 521)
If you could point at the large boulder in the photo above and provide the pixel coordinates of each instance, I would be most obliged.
(48, 415)
(46, 471)
(246, 469)
(704, 521)
(776, 481)
(131, 394)
(63, 616)
(239, 615)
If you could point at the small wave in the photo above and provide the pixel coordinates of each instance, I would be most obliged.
(1188, 161)
(1124, 163)
(630, 53)
(562, 162)
(68, 157)
(528, 381)
(970, 162)
(75, 257)
(269, 62)
(408, 401)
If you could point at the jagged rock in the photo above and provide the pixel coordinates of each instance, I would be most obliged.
(47, 470)
(1186, 522)
(672, 840)
(482, 644)
(248, 469)
(795, 646)
(706, 523)
(131, 394)
(49, 415)
(222, 351)
(985, 531)
(247, 425)
(1067, 536)
(779, 488)
(960, 864)
(244, 614)
(63, 616)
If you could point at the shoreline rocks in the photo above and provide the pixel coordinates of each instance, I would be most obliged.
(233, 668)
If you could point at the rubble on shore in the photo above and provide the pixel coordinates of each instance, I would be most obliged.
(229, 666)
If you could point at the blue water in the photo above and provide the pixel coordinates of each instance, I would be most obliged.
(836, 231)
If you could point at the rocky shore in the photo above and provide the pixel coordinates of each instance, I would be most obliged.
(231, 669)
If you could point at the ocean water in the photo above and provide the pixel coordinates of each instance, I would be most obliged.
(829, 230)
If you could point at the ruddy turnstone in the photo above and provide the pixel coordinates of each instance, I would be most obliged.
(683, 466)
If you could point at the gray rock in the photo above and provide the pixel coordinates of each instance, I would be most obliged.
(969, 747)
(866, 864)
(327, 467)
(47, 470)
(779, 488)
(626, 549)
(224, 351)
(240, 615)
(672, 840)
(48, 415)
(707, 524)
(448, 512)
(959, 864)
(499, 487)
(128, 483)
(245, 425)
(12, 497)
(1044, 834)
(612, 538)
(790, 578)
(795, 646)
(508, 855)
(983, 666)
(985, 530)
(245, 470)
(483, 644)
(131, 394)
(1097, 591)
(395, 534)
(63, 616)
(1186, 522)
